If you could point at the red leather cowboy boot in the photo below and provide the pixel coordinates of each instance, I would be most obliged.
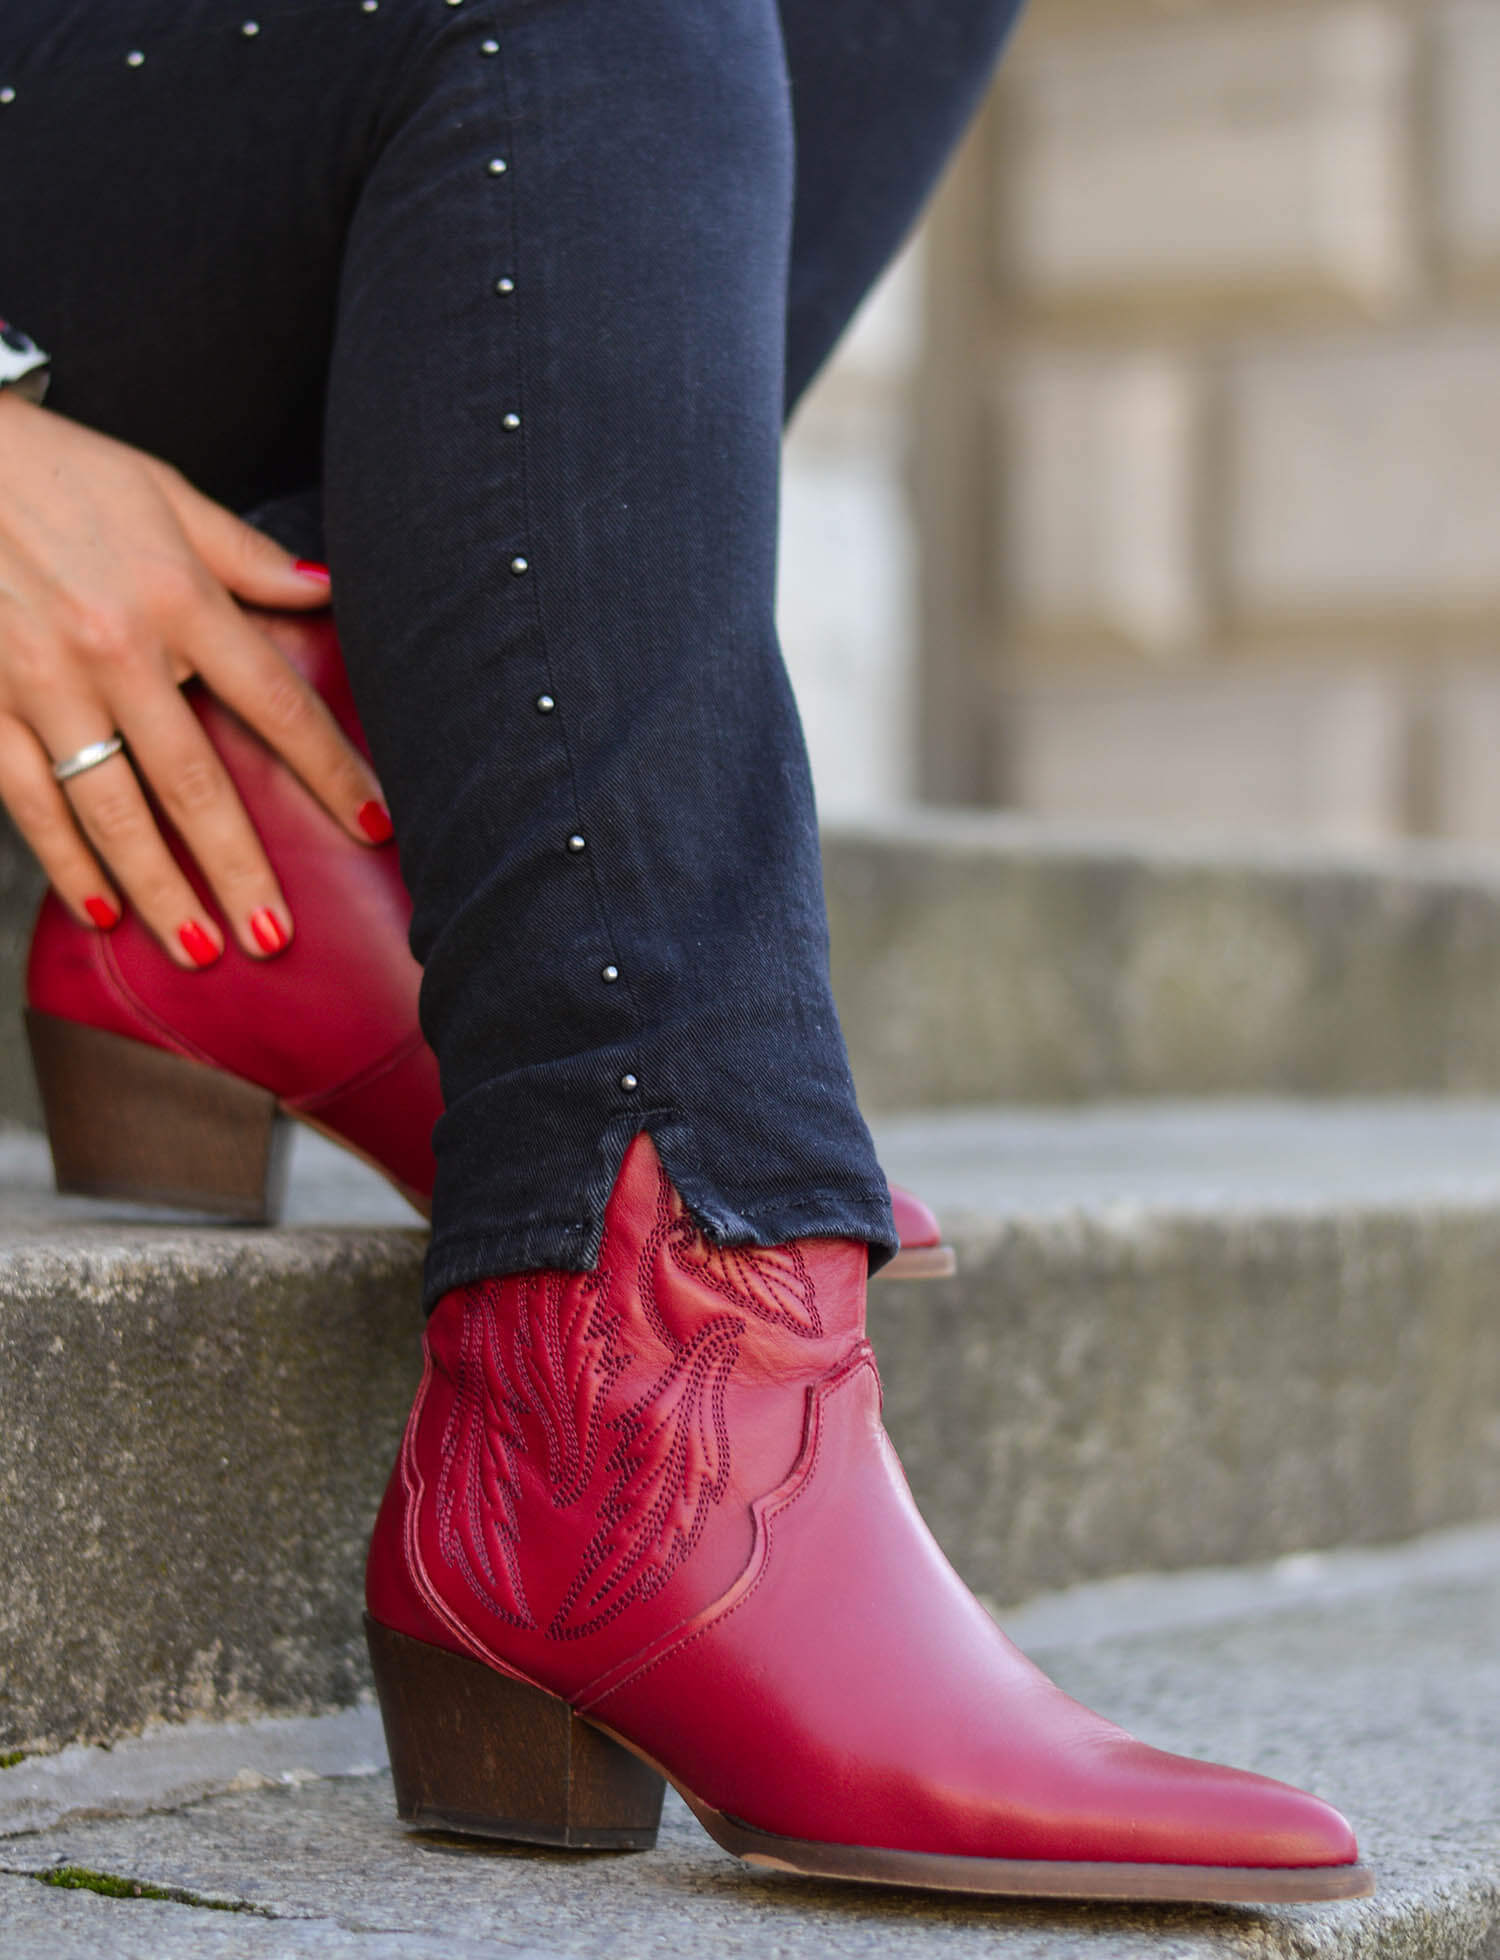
(168, 1087)
(645, 1522)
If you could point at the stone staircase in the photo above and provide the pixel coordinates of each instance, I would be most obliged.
(990, 958)
(1193, 1327)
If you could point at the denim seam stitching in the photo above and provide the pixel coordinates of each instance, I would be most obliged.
(538, 610)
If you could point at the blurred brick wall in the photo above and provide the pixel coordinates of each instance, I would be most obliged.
(849, 546)
(1209, 429)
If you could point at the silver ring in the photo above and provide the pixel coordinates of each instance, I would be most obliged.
(88, 758)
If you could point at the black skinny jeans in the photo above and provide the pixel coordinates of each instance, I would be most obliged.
(524, 291)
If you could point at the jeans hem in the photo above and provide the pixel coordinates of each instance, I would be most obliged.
(572, 1245)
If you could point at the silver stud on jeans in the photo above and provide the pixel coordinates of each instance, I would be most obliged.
(520, 565)
(250, 28)
(134, 58)
(511, 421)
(609, 975)
(577, 843)
(7, 94)
(498, 166)
(489, 47)
(369, 6)
(505, 285)
(629, 1082)
(545, 704)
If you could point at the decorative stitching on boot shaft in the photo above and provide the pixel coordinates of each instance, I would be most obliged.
(536, 1398)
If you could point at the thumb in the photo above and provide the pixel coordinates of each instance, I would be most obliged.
(248, 563)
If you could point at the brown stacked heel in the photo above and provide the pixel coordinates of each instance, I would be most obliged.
(475, 1751)
(126, 1120)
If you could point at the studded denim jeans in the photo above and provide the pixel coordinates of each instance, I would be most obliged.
(521, 292)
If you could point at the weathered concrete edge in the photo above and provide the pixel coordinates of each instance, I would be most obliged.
(199, 1425)
(1151, 1603)
(1138, 1387)
(982, 959)
(967, 835)
(177, 1763)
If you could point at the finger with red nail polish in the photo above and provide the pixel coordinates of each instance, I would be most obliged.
(375, 821)
(268, 932)
(199, 945)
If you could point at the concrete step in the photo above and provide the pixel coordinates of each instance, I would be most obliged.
(1372, 1678)
(984, 957)
(1178, 1337)
(197, 1426)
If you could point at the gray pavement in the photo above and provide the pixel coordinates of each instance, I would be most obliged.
(1239, 1155)
(1372, 1677)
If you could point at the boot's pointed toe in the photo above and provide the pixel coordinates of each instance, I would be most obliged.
(1129, 1801)
(1242, 1819)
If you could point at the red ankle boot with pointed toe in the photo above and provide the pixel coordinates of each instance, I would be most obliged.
(646, 1523)
(170, 1087)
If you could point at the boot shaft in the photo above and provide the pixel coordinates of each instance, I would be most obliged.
(578, 1472)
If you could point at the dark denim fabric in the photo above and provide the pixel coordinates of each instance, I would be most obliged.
(525, 289)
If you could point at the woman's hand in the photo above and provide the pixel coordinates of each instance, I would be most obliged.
(116, 579)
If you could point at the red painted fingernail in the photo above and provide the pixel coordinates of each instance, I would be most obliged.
(310, 568)
(196, 943)
(374, 819)
(104, 915)
(270, 934)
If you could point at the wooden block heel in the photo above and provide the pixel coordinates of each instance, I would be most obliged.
(475, 1751)
(126, 1120)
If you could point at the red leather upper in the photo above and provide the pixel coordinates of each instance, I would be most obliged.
(916, 1225)
(663, 1491)
(330, 1026)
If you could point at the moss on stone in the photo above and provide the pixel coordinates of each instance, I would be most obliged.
(78, 1878)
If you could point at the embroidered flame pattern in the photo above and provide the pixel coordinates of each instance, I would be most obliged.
(478, 1525)
(541, 1390)
(671, 1467)
(569, 1355)
(771, 1282)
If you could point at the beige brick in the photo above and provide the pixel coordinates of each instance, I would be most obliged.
(867, 384)
(1365, 476)
(1098, 501)
(847, 618)
(848, 573)
(1468, 128)
(1465, 742)
(1318, 750)
(1263, 150)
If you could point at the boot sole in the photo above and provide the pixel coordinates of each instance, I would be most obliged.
(126, 1120)
(1019, 1878)
(484, 1754)
(920, 1262)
